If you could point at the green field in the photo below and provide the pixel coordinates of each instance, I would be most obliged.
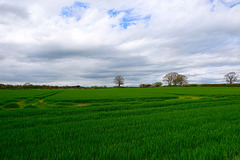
(121, 123)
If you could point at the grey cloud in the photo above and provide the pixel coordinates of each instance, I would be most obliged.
(97, 76)
(56, 52)
(9, 12)
(128, 62)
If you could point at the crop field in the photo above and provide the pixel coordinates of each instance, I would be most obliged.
(121, 123)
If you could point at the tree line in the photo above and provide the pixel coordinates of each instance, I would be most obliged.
(172, 79)
(176, 79)
(28, 85)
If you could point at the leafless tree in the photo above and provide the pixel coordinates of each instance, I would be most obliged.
(174, 78)
(231, 77)
(119, 80)
(170, 77)
(181, 79)
(157, 84)
(27, 84)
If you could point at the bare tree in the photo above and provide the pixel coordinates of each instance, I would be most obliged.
(27, 84)
(157, 84)
(170, 77)
(119, 80)
(181, 79)
(231, 77)
(174, 78)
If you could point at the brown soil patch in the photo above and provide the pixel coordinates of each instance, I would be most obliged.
(189, 98)
(20, 103)
(185, 98)
(81, 104)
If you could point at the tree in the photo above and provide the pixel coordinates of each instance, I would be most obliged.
(181, 79)
(27, 84)
(157, 84)
(119, 80)
(174, 78)
(231, 77)
(170, 77)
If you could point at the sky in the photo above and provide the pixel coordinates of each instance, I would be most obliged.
(89, 42)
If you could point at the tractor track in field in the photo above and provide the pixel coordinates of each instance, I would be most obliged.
(81, 104)
(44, 97)
(22, 103)
(185, 98)
(41, 100)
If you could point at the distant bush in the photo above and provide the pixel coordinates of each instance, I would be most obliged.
(157, 84)
(145, 85)
(219, 85)
(11, 105)
(233, 85)
(30, 106)
(189, 85)
(98, 87)
(209, 85)
(31, 86)
(212, 85)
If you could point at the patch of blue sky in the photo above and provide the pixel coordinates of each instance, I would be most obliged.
(212, 8)
(227, 4)
(129, 19)
(113, 26)
(81, 5)
(125, 25)
(233, 5)
(147, 18)
(114, 13)
(68, 11)
(230, 4)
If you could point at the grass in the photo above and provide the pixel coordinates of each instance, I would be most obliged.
(11, 105)
(126, 123)
(30, 106)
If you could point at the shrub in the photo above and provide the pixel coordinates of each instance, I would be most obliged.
(220, 85)
(11, 105)
(145, 85)
(189, 85)
(98, 87)
(157, 84)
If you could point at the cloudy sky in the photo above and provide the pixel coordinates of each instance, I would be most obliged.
(89, 42)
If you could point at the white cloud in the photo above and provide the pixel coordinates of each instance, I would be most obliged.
(38, 44)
